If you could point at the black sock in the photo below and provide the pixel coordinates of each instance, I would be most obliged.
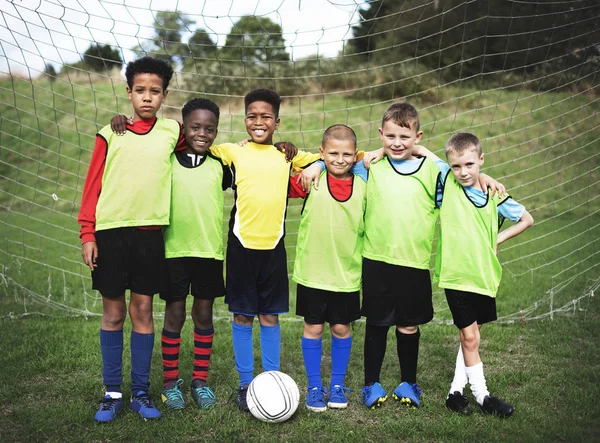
(408, 355)
(375, 342)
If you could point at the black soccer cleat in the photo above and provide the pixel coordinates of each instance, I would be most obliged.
(241, 398)
(458, 402)
(494, 406)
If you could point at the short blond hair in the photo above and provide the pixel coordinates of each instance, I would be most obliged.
(339, 132)
(461, 142)
(402, 114)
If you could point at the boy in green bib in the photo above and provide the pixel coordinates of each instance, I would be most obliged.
(328, 264)
(194, 251)
(125, 202)
(467, 267)
(400, 221)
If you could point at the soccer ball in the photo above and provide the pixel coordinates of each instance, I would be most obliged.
(273, 397)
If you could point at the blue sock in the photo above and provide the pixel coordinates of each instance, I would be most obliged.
(270, 346)
(111, 347)
(141, 357)
(312, 348)
(340, 356)
(241, 337)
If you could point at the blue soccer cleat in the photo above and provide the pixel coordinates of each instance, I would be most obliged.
(315, 399)
(337, 397)
(108, 410)
(408, 394)
(142, 403)
(373, 396)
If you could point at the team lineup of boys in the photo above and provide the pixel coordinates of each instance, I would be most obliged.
(154, 190)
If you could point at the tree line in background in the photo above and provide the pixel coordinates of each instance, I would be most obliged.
(398, 48)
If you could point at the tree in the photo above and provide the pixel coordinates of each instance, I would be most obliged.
(255, 39)
(466, 38)
(100, 58)
(201, 45)
(169, 27)
(50, 72)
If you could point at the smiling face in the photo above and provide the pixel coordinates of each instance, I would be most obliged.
(200, 131)
(261, 122)
(398, 141)
(465, 166)
(339, 156)
(146, 95)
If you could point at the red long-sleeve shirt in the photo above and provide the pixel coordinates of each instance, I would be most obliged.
(340, 189)
(93, 181)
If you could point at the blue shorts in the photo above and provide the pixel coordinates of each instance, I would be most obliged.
(256, 280)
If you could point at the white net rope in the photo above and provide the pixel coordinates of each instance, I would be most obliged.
(521, 75)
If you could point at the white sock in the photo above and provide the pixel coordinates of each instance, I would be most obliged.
(114, 394)
(477, 380)
(460, 374)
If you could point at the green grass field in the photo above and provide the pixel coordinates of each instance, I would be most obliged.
(544, 146)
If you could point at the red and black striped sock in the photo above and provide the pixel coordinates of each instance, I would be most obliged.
(170, 345)
(203, 339)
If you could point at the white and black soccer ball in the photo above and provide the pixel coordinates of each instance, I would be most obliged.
(273, 397)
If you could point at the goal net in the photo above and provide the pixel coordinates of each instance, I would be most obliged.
(521, 75)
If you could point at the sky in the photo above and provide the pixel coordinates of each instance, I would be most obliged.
(35, 32)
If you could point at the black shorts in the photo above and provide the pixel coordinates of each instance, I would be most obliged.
(396, 295)
(204, 275)
(318, 306)
(257, 280)
(129, 258)
(468, 308)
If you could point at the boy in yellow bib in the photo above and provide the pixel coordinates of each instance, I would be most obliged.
(256, 264)
(467, 266)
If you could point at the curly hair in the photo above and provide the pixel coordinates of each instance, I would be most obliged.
(200, 103)
(263, 95)
(149, 65)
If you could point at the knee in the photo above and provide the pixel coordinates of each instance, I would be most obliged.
(313, 331)
(408, 330)
(140, 310)
(470, 339)
(268, 319)
(113, 318)
(340, 330)
(174, 318)
(202, 317)
(244, 320)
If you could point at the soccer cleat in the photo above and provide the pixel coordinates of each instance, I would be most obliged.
(240, 400)
(172, 396)
(203, 396)
(315, 399)
(494, 406)
(408, 394)
(142, 403)
(373, 396)
(337, 397)
(108, 410)
(458, 402)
